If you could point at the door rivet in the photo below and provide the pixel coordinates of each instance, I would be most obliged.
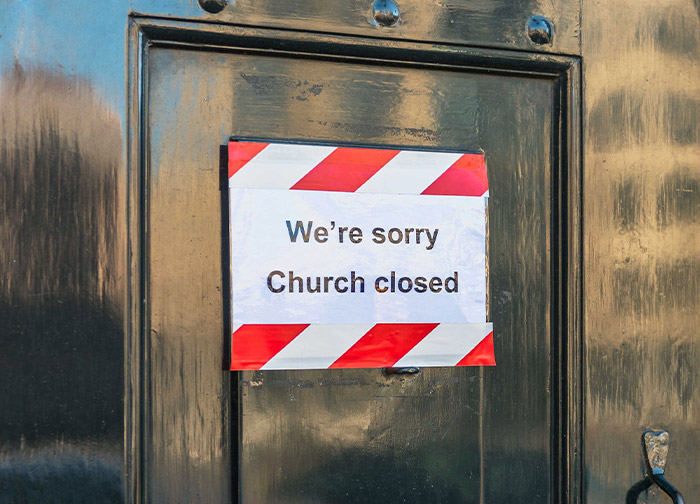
(539, 29)
(213, 6)
(385, 12)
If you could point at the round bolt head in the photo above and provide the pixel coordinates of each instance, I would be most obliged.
(385, 12)
(213, 6)
(539, 29)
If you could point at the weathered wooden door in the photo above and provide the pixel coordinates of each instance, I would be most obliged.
(112, 318)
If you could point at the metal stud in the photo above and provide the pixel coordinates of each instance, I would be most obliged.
(385, 12)
(213, 6)
(539, 29)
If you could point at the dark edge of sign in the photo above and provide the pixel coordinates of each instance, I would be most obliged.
(296, 141)
(225, 255)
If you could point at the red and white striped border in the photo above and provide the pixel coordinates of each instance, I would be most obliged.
(263, 165)
(266, 165)
(334, 346)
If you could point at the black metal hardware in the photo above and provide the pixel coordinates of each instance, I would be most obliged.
(385, 12)
(655, 448)
(539, 29)
(401, 371)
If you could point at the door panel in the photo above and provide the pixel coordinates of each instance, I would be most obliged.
(441, 435)
(642, 243)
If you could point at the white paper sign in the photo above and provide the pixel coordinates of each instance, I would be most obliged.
(352, 258)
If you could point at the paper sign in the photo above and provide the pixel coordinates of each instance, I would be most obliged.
(354, 257)
(351, 258)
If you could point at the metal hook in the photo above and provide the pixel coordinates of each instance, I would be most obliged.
(655, 448)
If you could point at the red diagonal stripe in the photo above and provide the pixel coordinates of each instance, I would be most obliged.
(239, 153)
(383, 345)
(252, 345)
(345, 169)
(481, 355)
(466, 177)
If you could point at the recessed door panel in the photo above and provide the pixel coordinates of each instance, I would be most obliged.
(439, 435)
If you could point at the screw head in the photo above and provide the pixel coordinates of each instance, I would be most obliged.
(385, 12)
(539, 29)
(213, 6)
